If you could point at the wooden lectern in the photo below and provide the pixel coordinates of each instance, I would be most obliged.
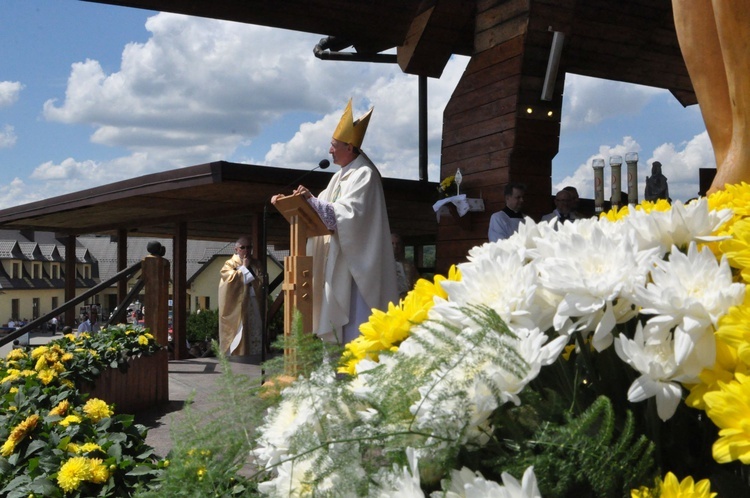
(304, 222)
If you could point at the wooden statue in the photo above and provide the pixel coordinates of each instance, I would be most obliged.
(714, 38)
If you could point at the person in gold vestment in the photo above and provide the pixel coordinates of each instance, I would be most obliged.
(240, 323)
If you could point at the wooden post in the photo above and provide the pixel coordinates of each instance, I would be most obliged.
(70, 279)
(156, 303)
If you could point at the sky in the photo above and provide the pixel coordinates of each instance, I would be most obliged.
(91, 94)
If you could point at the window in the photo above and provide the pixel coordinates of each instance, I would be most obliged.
(87, 272)
(34, 308)
(54, 302)
(16, 270)
(36, 270)
(15, 305)
(55, 270)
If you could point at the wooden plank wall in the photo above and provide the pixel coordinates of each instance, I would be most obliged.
(487, 131)
(137, 389)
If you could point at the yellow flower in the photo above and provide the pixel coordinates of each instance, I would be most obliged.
(615, 214)
(16, 355)
(142, 340)
(737, 248)
(734, 329)
(729, 409)
(39, 351)
(61, 409)
(73, 473)
(98, 471)
(18, 433)
(97, 409)
(670, 487)
(726, 366)
(70, 419)
(200, 473)
(384, 331)
(47, 375)
(89, 447)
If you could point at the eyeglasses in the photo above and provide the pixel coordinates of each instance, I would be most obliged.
(243, 247)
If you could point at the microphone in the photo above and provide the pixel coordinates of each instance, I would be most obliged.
(323, 164)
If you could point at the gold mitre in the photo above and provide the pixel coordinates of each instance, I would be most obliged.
(350, 131)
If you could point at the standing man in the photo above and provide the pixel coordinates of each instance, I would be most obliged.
(504, 223)
(353, 268)
(240, 323)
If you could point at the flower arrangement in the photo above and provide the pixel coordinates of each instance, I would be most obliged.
(609, 357)
(448, 186)
(55, 441)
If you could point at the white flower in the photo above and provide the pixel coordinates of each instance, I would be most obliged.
(680, 225)
(400, 482)
(293, 480)
(282, 423)
(651, 353)
(499, 277)
(591, 268)
(690, 292)
(468, 484)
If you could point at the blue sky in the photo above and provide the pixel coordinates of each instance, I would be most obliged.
(91, 94)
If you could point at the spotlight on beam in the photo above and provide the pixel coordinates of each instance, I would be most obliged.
(558, 38)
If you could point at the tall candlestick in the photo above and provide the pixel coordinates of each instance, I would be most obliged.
(631, 158)
(615, 162)
(598, 165)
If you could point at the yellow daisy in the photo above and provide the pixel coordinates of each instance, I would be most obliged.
(729, 409)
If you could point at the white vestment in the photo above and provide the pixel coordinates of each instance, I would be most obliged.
(358, 254)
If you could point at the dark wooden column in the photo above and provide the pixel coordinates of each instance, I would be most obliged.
(122, 262)
(70, 278)
(179, 291)
(155, 272)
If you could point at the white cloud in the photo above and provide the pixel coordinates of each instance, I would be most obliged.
(199, 88)
(680, 164)
(392, 136)
(7, 137)
(590, 101)
(9, 92)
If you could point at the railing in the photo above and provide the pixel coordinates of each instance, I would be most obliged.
(124, 274)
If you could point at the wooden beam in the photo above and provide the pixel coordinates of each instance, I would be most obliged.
(432, 36)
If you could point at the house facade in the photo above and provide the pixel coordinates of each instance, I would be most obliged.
(32, 272)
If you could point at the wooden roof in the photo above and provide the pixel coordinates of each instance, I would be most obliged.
(632, 41)
(216, 201)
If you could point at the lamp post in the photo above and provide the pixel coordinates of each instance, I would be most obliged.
(598, 165)
(615, 162)
(631, 158)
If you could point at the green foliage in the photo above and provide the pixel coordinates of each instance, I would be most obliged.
(588, 455)
(203, 326)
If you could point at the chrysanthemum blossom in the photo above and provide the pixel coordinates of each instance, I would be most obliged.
(671, 487)
(591, 268)
(689, 293)
(651, 353)
(729, 408)
(499, 278)
(400, 481)
(96, 409)
(678, 226)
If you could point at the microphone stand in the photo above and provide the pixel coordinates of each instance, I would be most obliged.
(323, 164)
